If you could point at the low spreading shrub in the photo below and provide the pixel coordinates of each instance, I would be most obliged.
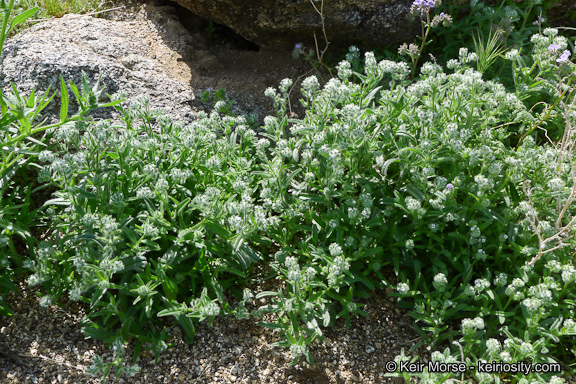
(21, 136)
(443, 178)
(463, 186)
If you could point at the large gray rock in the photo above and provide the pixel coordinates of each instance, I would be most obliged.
(116, 51)
(367, 23)
(283, 23)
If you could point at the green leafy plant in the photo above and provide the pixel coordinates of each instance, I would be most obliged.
(460, 184)
(529, 304)
(514, 23)
(153, 218)
(142, 242)
(488, 51)
(58, 8)
(210, 30)
(16, 145)
(218, 99)
(21, 137)
(9, 23)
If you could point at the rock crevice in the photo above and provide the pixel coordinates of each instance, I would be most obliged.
(282, 23)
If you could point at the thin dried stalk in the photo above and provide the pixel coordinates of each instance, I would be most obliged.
(561, 235)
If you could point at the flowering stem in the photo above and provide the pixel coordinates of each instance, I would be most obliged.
(425, 35)
(416, 58)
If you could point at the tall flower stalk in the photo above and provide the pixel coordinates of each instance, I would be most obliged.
(422, 8)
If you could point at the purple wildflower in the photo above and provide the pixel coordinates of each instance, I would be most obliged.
(554, 48)
(418, 3)
(563, 57)
(298, 50)
(431, 3)
(449, 186)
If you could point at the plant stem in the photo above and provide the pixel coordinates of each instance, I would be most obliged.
(319, 54)
(424, 37)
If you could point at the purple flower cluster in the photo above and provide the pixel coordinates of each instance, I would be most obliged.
(423, 6)
(298, 50)
(443, 19)
(554, 48)
(424, 3)
(563, 57)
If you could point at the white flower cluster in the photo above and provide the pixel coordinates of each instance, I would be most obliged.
(353, 54)
(67, 132)
(111, 266)
(149, 230)
(335, 250)
(556, 184)
(431, 69)
(206, 201)
(481, 284)
(403, 289)
(210, 309)
(484, 184)
(526, 348)
(556, 380)
(440, 282)
(526, 208)
(550, 48)
(542, 291)
(297, 351)
(514, 289)
(568, 273)
(145, 193)
(309, 86)
(501, 279)
(162, 185)
(510, 13)
(46, 301)
(75, 292)
(532, 304)
(493, 346)
(569, 326)
(109, 228)
(471, 325)
(344, 69)
(294, 275)
(512, 55)
(336, 92)
(474, 231)
(414, 206)
(398, 71)
(339, 266)
(467, 57)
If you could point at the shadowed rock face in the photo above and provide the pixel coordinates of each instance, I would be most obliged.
(283, 23)
(561, 12)
(368, 23)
